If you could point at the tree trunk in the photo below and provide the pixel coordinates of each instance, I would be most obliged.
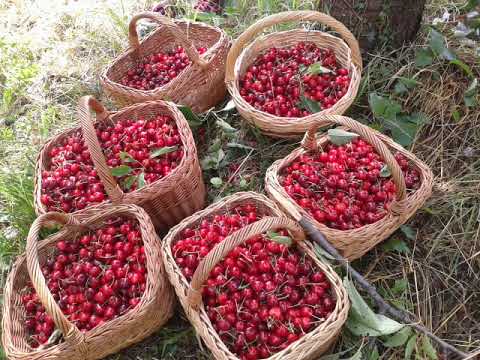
(376, 22)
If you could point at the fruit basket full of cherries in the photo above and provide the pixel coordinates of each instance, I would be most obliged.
(355, 184)
(283, 82)
(94, 287)
(181, 61)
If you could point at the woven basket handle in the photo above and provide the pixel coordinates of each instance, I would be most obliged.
(85, 105)
(69, 330)
(170, 26)
(290, 16)
(309, 143)
(231, 242)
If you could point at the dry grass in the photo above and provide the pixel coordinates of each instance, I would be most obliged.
(67, 43)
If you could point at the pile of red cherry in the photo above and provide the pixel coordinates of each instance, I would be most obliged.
(278, 79)
(343, 187)
(71, 183)
(158, 69)
(264, 295)
(95, 278)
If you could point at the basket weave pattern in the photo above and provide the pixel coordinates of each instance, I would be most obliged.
(242, 56)
(199, 86)
(155, 308)
(309, 345)
(167, 200)
(355, 243)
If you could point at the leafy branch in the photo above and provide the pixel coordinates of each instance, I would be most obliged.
(372, 320)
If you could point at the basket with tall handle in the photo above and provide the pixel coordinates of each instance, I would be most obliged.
(356, 242)
(308, 346)
(167, 200)
(155, 307)
(199, 86)
(248, 46)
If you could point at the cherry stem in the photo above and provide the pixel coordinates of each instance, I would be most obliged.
(397, 314)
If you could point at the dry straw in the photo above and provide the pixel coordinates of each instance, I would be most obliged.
(355, 243)
(167, 200)
(155, 308)
(199, 86)
(309, 346)
(239, 59)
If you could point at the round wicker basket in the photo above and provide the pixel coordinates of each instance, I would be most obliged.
(199, 86)
(241, 56)
(167, 200)
(355, 243)
(309, 346)
(155, 308)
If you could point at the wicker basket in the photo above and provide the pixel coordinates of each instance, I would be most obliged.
(199, 86)
(167, 200)
(308, 346)
(347, 53)
(154, 309)
(355, 243)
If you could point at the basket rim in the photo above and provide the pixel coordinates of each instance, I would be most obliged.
(279, 195)
(223, 40)
(177, 279)
(233, 86)
(146, 228)
(189, 157)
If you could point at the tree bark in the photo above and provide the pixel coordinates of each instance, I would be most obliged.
(376, 22)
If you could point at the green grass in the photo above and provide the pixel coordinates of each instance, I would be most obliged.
(49, 59)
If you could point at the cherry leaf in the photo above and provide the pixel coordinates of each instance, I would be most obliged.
(129, 181)
(385, 171)
(317, 68)
(341, 137)
(126, 157)
(141, 180)
(309, 104)
(121, 170)
(162, 151)
(284, 240)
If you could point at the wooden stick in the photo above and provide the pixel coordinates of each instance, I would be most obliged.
(384, 307)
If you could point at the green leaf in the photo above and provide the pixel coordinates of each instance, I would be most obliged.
(470, 5)
(423, 58)
(357, 356)
(121, 170)
(410, 347)
(384, 107)
(213, 160)
(456, 115)
(309, 104)
(439, 46)
(404, 84)
(321, 252)
(396, 244)
(236, 145)
(229, 106)
(374, 355)
(385, 171)
(399, 338)
(462, 66)
(409, 232)
(216, 182)
(317, 68)
(403, 132)
(193, 119)
(225, 126)
(162, 151)
(129, 181)
(363, 321)
(470, 96)
(141, 180)
(341, 137)
(243, 184)
(428, 348)
(126, 157)
(284, 240)
(399, 287)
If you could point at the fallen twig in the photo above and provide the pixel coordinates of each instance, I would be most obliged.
(384, 307)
